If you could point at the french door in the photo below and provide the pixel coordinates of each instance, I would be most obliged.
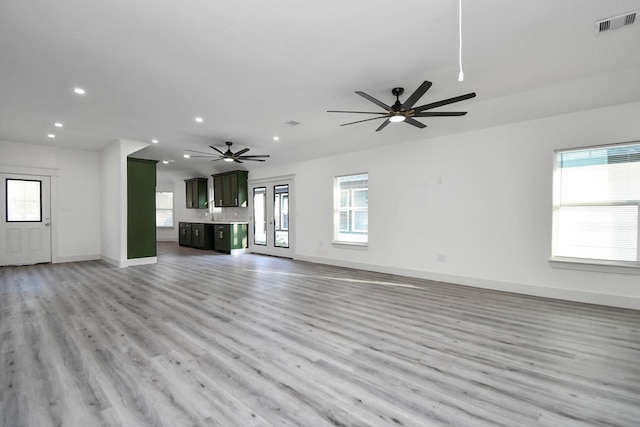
(25, 223)
(271, 225)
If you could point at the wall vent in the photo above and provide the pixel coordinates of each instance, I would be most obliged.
(616, 22)
(293, 123)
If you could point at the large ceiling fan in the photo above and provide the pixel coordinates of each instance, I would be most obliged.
(405, 111)
(229, 156)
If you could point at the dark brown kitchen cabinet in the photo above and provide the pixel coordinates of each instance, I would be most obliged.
(196, 235)
(228, 237)
(230, 189)
(196, 189)
(184, 237)
(202, 236)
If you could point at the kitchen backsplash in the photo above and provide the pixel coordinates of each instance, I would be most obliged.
(230, 214)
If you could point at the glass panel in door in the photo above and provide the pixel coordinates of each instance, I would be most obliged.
(24, 200)
(281, 215)
(260, 216)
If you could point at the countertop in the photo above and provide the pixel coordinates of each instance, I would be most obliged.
(216, 222)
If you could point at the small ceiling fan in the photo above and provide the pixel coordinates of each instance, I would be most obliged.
(229, 156)
(405, 111)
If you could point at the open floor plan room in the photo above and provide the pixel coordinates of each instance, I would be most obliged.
(203, 339)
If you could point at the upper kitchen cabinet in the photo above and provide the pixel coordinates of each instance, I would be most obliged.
(230, 189)
(196, 193)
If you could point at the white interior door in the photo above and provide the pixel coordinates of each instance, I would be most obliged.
(25, 226)
(271, 225)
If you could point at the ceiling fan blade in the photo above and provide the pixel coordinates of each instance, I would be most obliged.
(201, 152)
(375, 101)
(415, 96)
(440, 114)
(237, 161)
(359, 112)
(386, 122)
(444, 102)
(256, 160)
(251, 157)
(211, 146)
(241, 152)
(219, 158)
(365, 120)
(415, 123)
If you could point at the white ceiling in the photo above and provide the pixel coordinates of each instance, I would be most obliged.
(247, 67)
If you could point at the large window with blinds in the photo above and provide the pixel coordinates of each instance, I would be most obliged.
(351, 209)
(596, 199)
(164, 208)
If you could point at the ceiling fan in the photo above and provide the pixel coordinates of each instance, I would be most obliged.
(229, 156)
(405, 111)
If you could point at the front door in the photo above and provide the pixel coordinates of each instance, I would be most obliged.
(270, 227)
(25, 207)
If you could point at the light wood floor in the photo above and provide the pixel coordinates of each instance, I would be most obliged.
(204, 339)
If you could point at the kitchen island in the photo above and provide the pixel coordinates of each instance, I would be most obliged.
(222, 236)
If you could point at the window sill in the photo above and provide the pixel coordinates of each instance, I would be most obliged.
(351, 245)
(617, 267)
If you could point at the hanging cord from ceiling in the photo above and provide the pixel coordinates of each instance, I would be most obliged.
(461, 74)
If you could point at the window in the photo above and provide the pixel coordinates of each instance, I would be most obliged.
(24, 200)
(596, 201)
(164, 208)
(351, 209)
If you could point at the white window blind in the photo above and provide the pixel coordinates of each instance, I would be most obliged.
(596, 204)
(164, 209)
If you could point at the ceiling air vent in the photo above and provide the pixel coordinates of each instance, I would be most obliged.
(616, 22)
(293, 123)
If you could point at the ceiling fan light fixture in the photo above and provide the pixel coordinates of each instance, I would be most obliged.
(396, 119)
(228, 159)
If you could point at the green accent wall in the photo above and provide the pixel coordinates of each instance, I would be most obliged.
(141, 208)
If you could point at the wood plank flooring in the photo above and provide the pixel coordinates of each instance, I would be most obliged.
(205, 339)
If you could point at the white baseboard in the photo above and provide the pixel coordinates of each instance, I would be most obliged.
(61, 259)
(129, 262)
(141, 261)
(518, 288)
(111, 261)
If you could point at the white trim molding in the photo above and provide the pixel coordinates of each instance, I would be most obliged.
(620, 301)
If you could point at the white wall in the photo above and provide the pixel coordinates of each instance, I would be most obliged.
(174, 181)
(76, 214)
(482, 199)
(111, 204)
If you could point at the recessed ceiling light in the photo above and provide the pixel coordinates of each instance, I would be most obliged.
(58, 124)
(155, 141)
(199, 119)
(186, 156)
(276, 138)
(166, 162)
(79, 91)
(51, 135)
